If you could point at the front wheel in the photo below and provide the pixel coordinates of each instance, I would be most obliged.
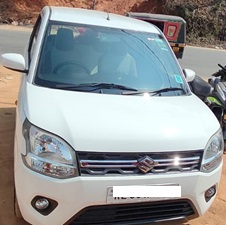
(16, 207)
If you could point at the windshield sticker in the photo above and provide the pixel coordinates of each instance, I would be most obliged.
(178, 79)
(161, 44)
(159, 40)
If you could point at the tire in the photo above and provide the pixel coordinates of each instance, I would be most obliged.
(16, 207)
(224, 144)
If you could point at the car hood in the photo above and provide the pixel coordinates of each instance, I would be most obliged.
(104, 122)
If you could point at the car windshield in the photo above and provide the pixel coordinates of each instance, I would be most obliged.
(107, 60)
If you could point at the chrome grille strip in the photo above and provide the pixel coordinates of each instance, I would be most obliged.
(132, 163)
(109, 164)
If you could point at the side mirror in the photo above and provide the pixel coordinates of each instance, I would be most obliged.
(189, 74)
(14, 62)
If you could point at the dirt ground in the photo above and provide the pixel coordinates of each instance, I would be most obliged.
(9, 84)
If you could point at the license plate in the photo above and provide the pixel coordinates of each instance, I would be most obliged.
(111, 199)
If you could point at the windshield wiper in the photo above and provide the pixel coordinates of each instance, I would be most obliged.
(94, 87)
(156, 92)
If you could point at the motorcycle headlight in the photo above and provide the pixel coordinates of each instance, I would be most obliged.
(213, 153)
(48, 154)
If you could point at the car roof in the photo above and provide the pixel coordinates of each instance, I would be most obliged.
(97, 18)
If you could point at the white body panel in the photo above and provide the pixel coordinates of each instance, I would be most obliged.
(95, 122)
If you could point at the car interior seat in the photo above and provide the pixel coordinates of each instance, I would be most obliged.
(85, 45)
(117, 61)
(58, 49)
(63, 50)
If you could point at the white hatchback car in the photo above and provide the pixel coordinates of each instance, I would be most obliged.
(103, 104)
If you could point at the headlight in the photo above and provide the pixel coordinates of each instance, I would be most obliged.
(48, 154)
(213, 153)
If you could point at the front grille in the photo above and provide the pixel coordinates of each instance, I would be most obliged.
(136, 213)
(93, 163)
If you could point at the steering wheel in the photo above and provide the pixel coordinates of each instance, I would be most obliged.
(70, 66)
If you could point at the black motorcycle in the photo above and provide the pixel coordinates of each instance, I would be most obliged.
(217, 98)
(213, 93)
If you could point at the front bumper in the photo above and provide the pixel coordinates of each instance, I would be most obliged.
(75, 194)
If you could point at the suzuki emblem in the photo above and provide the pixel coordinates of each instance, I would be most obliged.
(146, 163)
